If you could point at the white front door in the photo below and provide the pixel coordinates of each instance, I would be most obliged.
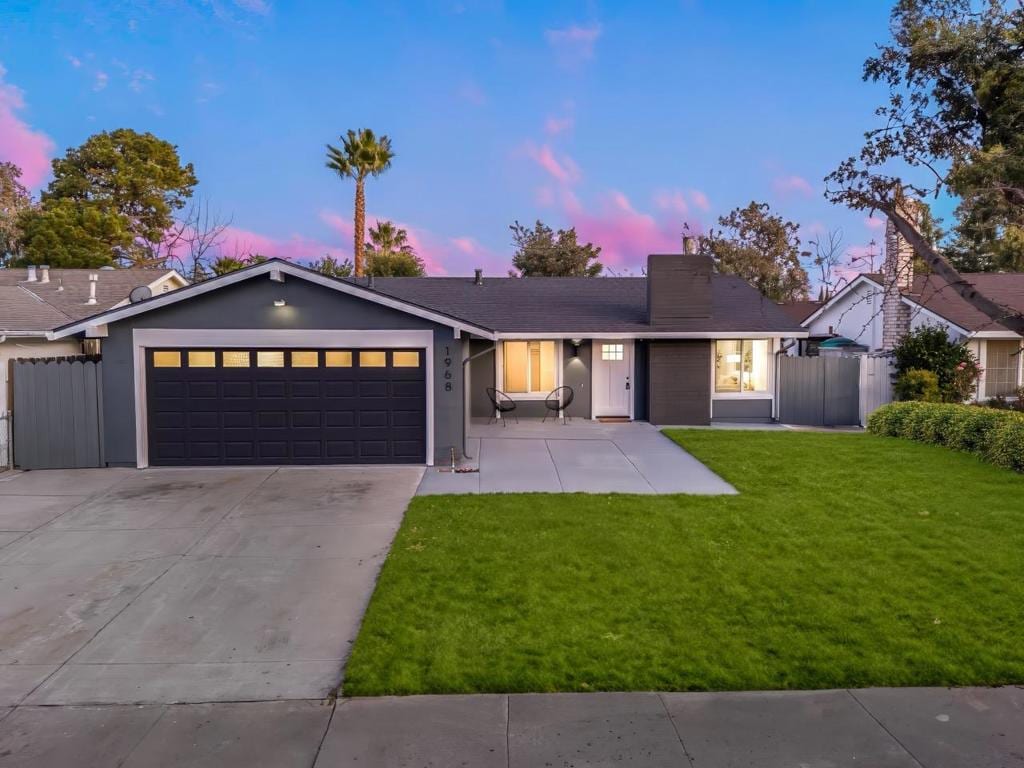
(613, 378)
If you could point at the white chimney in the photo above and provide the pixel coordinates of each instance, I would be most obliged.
(31, 274)
(93, 277)
(44, 273)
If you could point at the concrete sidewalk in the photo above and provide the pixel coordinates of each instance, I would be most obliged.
(876, 728)
(581, 456)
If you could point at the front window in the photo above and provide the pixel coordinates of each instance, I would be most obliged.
(1002, 359)
(530, 366)
(741, 365)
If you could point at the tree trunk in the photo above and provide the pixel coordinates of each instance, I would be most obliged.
(359, 235)
(1005, 316)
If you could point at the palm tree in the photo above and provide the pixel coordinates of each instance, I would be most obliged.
(390, 254)
(362, 154)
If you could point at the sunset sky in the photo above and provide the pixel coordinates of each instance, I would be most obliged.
(623, 119)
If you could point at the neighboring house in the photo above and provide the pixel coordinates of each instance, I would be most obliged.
(35, 300)
(869, 314)
(276, 363)
(798, 311)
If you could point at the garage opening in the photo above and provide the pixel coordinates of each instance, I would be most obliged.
(286, 406)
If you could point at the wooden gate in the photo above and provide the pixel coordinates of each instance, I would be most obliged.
(819, 391)
(57, 413)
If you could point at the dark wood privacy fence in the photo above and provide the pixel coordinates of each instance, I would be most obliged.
(57, 413)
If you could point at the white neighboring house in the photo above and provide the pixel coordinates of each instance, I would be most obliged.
(36, 300)
(867, 313)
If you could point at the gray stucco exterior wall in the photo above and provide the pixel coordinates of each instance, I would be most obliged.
(576, 374)
(679, 383)
(249, 305)
(481, 376)
(741, 410)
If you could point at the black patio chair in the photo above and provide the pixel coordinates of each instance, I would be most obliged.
(559, 400)
(502, 404)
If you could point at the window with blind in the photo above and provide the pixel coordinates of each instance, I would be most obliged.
(1002, 365)
(530, 367)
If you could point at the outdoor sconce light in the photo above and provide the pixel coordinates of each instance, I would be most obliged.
(279, 302)
(576, 347)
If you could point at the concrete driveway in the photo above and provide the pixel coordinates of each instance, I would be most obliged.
(188, 585)
(580, 456)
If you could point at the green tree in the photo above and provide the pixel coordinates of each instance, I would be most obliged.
(14, 202)
(332, 267)
(762, 248)
(953, 123)
(928, 348)
(72, 234)
(543, 252)
(362, 154)
(119, 190)
(389, 253)
(222, 265)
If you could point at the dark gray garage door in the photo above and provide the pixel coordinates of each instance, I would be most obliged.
(282, 406)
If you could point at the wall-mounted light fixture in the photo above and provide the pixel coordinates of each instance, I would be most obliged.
(279, 302)
(576, 347)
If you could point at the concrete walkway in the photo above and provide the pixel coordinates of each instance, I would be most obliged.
(188, 585)
(876, 728)
(581, 456)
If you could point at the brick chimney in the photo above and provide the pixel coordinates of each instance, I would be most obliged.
(678, 287)
(897, 277)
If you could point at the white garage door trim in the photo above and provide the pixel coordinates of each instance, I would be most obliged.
(143, 338)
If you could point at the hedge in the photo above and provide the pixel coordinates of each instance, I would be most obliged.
(996, 436)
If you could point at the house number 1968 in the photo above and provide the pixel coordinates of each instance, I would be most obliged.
(447, 369)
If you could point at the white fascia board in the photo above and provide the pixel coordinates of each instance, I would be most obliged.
(1007, 335)
(656, 335)
(197, 289)
(860, 280)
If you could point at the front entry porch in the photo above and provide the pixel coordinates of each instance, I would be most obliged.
(581, 456)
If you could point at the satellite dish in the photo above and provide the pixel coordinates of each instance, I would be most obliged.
(140, 293)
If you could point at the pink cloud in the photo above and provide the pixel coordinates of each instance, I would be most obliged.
(671, 200)
(574, 44)
(556, 125)
(699, 199)
(626, 235)
(239, 242)
(28, 149)
(792, 185)
(563, 169)
(437, 252)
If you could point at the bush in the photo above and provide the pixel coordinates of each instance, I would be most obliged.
(918, 384)
(928, 348)
(995, 436)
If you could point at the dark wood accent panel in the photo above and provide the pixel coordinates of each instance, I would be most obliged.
(679, 384)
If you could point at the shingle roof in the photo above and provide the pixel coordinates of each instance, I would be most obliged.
(582, 304)
(800, 310)
(65, 294)
(935, 294)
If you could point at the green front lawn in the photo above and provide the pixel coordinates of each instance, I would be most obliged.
(846, 560)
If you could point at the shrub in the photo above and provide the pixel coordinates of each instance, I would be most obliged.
(994, 435)
(917, 384)
(928, 348)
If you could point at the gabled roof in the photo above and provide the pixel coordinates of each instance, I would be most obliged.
(560, 306)
(63, 297)
(800, 310)
(934, 295)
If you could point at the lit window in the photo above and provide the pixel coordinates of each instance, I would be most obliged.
(305, 359)
(612, 351)
(338, 358)
(406, 359)
(369, 359)
(1002, 361)
(266, 358)
(234, 358)
(202, 358)
(167, 359)
(741, 366)
(530, 366)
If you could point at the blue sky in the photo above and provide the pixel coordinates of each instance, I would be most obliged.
(624, 119)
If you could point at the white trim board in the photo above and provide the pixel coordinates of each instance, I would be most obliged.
(144, 338)
(273, 267)
(654, 335)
